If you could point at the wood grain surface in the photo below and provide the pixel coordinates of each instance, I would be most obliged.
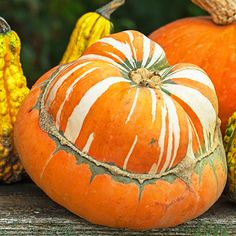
(26, 210)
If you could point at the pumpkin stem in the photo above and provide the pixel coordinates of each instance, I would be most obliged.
(4, 27)
(109, 8)
(145, 78)
(223, 12)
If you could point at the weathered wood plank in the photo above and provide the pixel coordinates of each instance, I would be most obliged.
(26, 210)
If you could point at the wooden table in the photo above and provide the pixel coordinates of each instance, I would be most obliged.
(26, 210)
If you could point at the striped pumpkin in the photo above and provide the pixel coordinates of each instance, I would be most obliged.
(123, 139)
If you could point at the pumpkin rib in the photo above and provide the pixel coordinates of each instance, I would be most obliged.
(198, 136)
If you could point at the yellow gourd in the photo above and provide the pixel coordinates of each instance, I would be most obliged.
(89, 28)
(13, 91)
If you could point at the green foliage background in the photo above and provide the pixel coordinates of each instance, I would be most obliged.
(44, 26)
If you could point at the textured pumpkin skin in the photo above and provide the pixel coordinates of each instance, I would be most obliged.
(13, 91)
(131, 193)
(199, 41)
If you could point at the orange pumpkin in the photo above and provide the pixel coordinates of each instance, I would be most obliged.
(121, 138)
(208, 43)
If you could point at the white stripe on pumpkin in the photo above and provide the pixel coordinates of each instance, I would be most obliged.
(69, 91)
(46, 164)
(154, 103)
(146, 50)
(130, 152)
(54, 88)
(190, 152)
(173, 124)
(131, 38)
(120, 60)
(88, 143)
(191, 74)
(103, 58)
(133, 106)
(161, 140)
(174, 131)
(80, 112)
(200, 105)
(153, 169)
(158, 55)
(122, 47)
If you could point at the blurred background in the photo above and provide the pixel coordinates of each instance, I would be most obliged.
(44, 26)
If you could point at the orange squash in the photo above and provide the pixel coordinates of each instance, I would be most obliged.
(121, 138)
(208, 43)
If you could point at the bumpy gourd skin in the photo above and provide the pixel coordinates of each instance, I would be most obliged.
(89, 28)
(13, 91)
(230, 147)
